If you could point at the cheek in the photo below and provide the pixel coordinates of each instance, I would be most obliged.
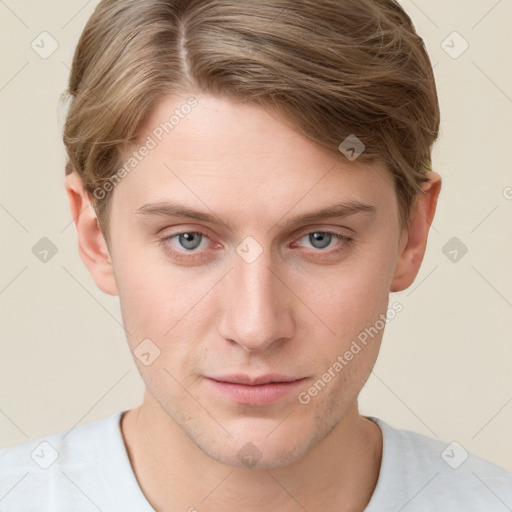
(156, 303)
(164, 304)
(352, 300)
(351, 296)
(150, 294)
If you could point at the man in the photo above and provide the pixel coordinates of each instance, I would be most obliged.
(252, 179)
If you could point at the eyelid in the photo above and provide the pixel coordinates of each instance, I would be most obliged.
(324, 228)
(331, 230)
(171, 231)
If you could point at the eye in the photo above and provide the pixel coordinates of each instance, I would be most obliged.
(324, 239)
(320, 239)
(196, 246)
(188, 245)
(190, 241)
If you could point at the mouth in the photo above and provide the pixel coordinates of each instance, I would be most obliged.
(255, 390)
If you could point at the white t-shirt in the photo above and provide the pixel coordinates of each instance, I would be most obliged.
(88, 469)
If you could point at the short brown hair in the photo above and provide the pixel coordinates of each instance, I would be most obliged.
(333, 68)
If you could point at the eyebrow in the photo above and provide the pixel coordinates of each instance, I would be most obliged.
(173, 209)
(337, 210)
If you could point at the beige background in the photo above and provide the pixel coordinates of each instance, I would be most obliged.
(444, 369)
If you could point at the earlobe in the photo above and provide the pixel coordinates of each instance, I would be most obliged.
(92, 246)
(414, 237)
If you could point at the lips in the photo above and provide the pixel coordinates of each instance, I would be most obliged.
(240, 378)
(255, 390)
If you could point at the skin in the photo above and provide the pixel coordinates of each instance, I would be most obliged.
(291, 311)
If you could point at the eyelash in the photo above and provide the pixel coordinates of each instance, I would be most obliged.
(191, 256)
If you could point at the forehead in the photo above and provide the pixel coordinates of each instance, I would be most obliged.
(224, 153)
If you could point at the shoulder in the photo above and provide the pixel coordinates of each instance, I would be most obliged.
(428, 474)
(71, 469)
(56, 450)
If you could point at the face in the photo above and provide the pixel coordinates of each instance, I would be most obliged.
(227, 263)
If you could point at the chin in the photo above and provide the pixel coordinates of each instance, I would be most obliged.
(263, 455)
(258, 444)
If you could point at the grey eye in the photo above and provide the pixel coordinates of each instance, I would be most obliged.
(320, 240)
(190, 241)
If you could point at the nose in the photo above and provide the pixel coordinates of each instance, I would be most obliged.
(256, 305)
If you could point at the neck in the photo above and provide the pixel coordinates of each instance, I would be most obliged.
(339, 473)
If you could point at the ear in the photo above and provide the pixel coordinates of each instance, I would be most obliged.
(413, 241)
(92, 246)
